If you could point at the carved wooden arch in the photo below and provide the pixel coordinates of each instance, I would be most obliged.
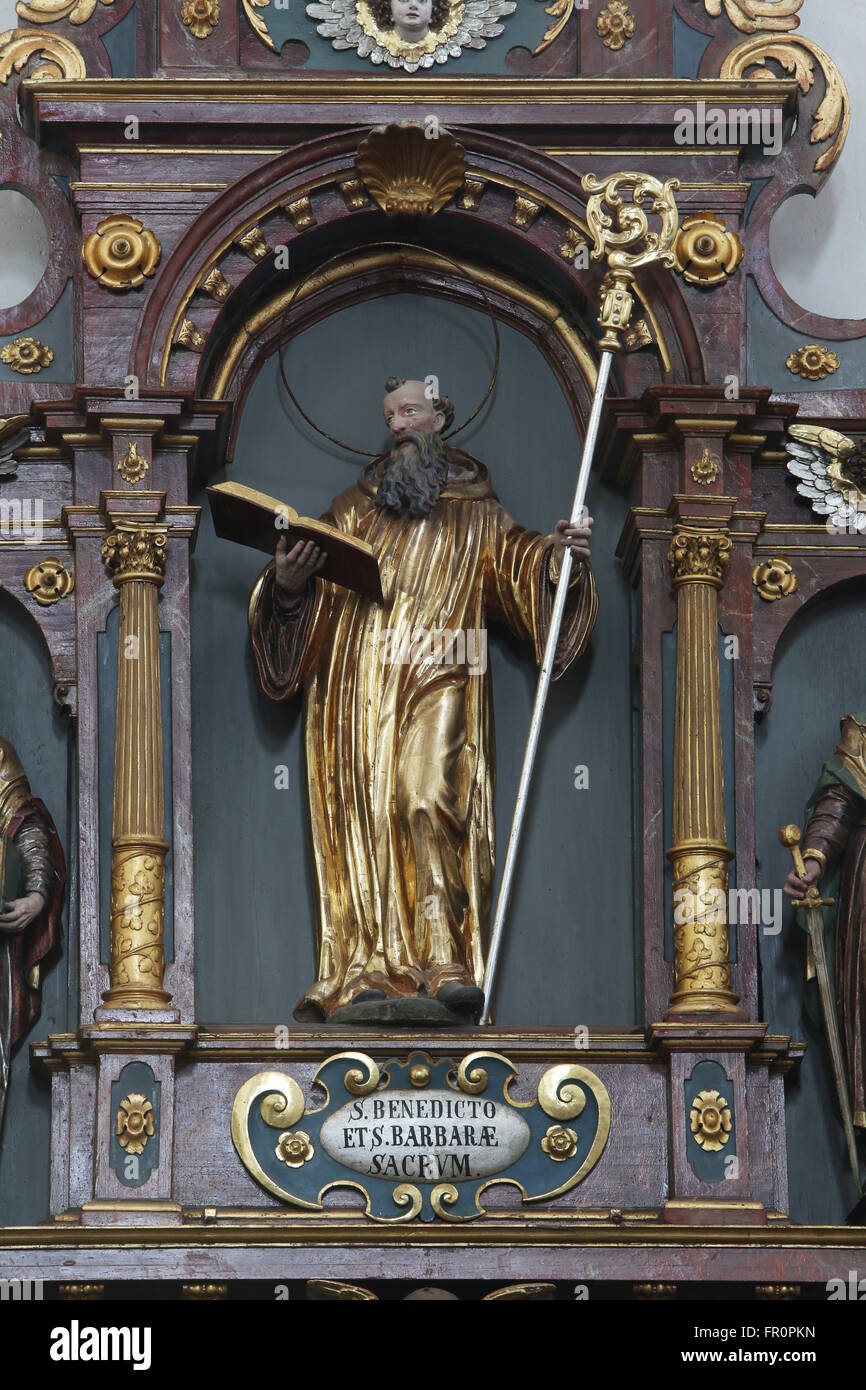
(382, 271)
(517, 207)
(817, 583)
(56, 630)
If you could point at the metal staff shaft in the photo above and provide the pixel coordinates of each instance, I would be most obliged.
(589, 446)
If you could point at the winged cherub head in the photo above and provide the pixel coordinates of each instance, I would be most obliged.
(411, 19)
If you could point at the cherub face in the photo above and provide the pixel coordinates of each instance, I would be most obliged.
(412, 18)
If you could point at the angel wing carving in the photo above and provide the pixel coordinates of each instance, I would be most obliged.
(832, 472)
(352, 24)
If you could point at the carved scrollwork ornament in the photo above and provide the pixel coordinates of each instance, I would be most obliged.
(797, 55)
(632, 244)
(50, 11)
(751, 15)
(367, 26)
(121, 252)
(62, 60)
(408, 175)
(560, 12)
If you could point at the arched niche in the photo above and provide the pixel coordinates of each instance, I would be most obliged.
(818, 676)
(254, 875)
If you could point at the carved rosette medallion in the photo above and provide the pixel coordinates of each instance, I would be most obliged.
(615, 25)
(812, 362)
(133, 1123)
(26, 355)
(49, 581)
(710, 1120)
(121, 253)
(408, 175)
(707, 253)
(774, 579)
(200, 17)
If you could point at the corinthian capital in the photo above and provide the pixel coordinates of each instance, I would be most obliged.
(700, 556)
(135, 552)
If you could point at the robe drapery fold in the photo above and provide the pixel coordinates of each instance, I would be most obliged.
(399, 734)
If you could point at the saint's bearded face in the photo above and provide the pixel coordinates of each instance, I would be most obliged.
(414, 474)
(415, 471)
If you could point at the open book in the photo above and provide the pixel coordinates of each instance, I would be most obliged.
(252, 518)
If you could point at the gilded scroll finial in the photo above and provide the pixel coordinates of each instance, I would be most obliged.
(624, 238)
(62, 60)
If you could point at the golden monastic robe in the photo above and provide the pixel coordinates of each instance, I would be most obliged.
(400, 752)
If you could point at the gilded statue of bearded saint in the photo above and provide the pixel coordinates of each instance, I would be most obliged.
(400, 753)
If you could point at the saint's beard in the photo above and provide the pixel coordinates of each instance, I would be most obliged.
(413, 478)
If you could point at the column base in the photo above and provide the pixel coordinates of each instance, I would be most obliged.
(132, 1213)
(684, 1212)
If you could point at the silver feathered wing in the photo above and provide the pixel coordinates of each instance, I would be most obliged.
(824, 460)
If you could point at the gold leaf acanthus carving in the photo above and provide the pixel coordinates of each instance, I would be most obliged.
(795, 55)
(751, 15)
(560, 12)
(62, 59)
(50, 11)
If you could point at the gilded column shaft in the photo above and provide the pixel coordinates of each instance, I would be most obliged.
(135, 555)
(700, 854)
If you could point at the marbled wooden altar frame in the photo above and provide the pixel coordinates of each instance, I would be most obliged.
(226, 147)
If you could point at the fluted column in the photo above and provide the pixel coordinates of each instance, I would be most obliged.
(134, 554)
(700, 855)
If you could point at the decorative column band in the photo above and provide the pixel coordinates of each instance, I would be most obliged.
(700, 855)
(134, 554)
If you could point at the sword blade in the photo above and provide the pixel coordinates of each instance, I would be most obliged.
(815, 925)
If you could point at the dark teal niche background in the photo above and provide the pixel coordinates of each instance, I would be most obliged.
(29, 719)
(708, 1165)
(818, 677)
(136, 1078)
(569, 956)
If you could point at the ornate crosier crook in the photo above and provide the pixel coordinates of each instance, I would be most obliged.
(624, 239)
